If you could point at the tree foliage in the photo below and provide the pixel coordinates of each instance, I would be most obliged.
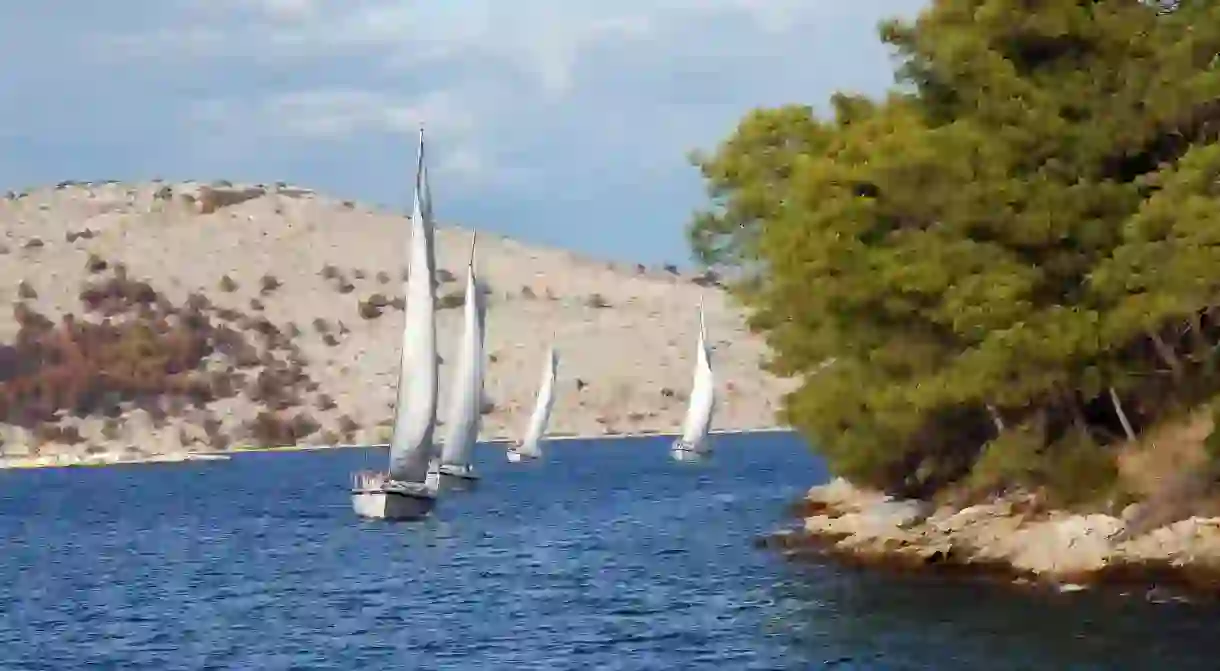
(1028, 222)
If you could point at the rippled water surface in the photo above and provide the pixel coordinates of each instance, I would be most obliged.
(605, 556)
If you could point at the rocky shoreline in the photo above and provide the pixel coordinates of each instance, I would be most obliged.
(115, 458)
(105, 459)
(1013, 538)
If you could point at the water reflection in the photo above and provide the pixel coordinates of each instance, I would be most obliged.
(862, 620)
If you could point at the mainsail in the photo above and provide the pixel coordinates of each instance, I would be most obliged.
(529, 446)
(411, 445)
(703, 394)
(465, 413)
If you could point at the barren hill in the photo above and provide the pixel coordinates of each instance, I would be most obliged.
(161, 317)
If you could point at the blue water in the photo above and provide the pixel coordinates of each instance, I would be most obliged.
(605, 556)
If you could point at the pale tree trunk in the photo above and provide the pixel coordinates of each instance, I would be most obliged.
(1167, 354)
(1122, 415)
(995, 418)
(1197, 342)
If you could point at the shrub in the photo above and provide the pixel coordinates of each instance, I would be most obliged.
(268, 284)
(229, 314)
(95, 264)
(371, 307)
(709, 278)
(453, 299)
(227, 284)
(348, 427)
(213, 199)
(197, 302)
(149, 353)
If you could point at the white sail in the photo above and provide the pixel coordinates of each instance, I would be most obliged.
(411, 444)
(466, 398)
(698, 419)
(529, 446)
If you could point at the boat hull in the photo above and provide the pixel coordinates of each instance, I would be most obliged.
(516, 457)
(453, 476)
(685, 452)
(391, 500)
(457, 472)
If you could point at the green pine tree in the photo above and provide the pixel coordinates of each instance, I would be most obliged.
(1024, 230)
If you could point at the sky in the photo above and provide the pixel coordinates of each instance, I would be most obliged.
(559, 122)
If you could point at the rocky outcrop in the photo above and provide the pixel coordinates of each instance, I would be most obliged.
(1013, 536)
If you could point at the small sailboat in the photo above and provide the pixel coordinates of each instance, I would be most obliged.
(408, 490)
(529, 447)
(465, 411)
(693, 444)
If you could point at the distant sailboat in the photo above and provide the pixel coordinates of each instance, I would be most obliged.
(693, 445)
(529, 447)
(409, 489)
(465, 411)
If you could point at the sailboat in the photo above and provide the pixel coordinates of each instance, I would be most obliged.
(529, 447)
(408, 489)
(693, 445)
(465, 411)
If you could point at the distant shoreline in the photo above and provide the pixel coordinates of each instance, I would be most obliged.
(503, 440)
(118, 459)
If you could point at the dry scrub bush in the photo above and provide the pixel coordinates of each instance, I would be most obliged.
(210, 199)
(141, 351)
(269, 429)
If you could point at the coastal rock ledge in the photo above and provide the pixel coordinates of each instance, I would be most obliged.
(1013, 537)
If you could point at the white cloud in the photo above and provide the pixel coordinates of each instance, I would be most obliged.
(338, 115)
(541, 39)
(290, 10)
(534, 106)
(480, 71)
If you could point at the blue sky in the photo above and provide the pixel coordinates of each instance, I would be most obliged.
(564, 122)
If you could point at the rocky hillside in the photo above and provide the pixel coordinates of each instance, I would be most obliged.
(159, 317)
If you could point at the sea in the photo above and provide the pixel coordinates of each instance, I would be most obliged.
(604, 555)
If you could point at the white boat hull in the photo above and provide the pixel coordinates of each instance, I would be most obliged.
(394, 501)
(452, 477)
(457, 472)
(515, 456)
(682, 451)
